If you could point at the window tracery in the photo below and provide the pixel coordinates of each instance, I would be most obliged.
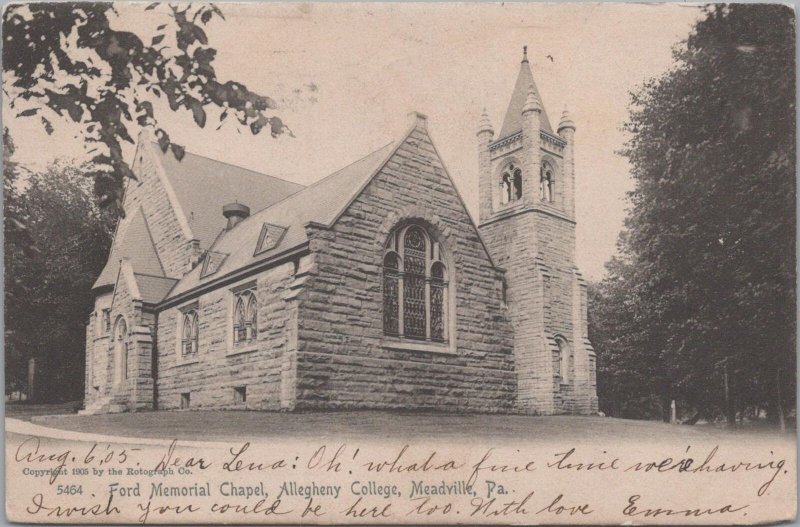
(415, 286)
(245, 317)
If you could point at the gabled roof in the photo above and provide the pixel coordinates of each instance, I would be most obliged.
(513, 120)
(202, 186)
(321, 202)
(136, 245)
(153, 289)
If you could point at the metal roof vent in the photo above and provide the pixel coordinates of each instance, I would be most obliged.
(235, 213)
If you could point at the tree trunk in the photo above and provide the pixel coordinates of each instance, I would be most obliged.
(730, 409)
(779, 401)
(696, 417)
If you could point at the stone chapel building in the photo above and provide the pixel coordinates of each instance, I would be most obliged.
(371, 288)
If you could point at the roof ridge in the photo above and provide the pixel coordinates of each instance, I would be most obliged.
(325, 178)
(155, 276)
(235, 166)
(152, 241)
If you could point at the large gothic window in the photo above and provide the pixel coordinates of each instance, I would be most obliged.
(547, 182)
(415, 286)
(511, 184)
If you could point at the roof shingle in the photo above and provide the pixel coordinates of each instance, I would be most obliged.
(320, 202)
(203, 185)
(136, 244)
(153, 289)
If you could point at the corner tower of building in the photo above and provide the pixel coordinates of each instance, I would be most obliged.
(527, 218)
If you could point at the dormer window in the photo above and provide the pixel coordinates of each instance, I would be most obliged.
(511, 184)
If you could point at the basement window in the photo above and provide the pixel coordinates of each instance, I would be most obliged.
(240, 394)
(185, 400)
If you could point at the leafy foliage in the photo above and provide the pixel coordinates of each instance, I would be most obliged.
(50, 294)
(17, 246)
(707, 273)
(67, 59)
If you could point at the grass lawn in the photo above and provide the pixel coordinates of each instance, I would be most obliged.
(226, 425)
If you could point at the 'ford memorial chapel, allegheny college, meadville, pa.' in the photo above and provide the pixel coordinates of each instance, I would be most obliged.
(371, 288)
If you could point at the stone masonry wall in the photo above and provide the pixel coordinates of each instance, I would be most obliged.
(97, 353)
(101, 353)
(511, 242)
(218, 368)
(343, 361)
(556, 238)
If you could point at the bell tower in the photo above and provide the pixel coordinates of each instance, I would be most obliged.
(527, 219)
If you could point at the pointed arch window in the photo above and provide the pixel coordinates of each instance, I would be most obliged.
(563, 363)
(511, 184)
(438, 304)
(415, 286)
(391, 296)
(120, 339)
(245, 316)
(190, 333)
(547, 182)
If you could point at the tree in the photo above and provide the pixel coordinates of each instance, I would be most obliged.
(631, 380)
(68, 59)
(46, 308)
(17, 246)
(710, 238)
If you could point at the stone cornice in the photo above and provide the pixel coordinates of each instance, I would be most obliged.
(240, 274)
(505, 141)
(517, 212)
(544, 137)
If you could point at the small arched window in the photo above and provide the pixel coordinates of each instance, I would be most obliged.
(415, 286)
(547, 182)
(517, 184)
(191, 332)
(120, 350)
(511, 184)
(438, 304)
(564, 362)
(245, 317)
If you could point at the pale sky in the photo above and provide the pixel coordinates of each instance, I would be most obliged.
(371, 64)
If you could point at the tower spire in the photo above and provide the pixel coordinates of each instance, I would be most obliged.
(513, 119)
